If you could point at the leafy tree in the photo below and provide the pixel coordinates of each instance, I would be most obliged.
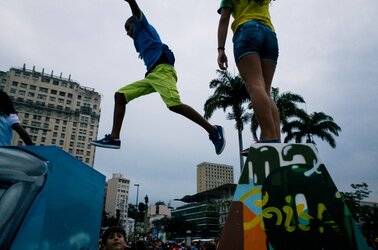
(287, 107)
(306, 126)
(107, 220)
(366, 216)
(131, 210)
(353, 199)
(229, 92)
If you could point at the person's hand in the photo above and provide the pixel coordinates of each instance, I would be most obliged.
(222, 59)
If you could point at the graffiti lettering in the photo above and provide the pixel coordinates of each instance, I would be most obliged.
(284, 216)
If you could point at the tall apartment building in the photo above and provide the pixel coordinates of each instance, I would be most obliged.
(54, 110)
(117, 196)
(212, 175)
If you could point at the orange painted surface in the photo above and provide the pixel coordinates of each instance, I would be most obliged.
(255, 238)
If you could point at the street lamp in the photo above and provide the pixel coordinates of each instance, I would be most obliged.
(136, 204)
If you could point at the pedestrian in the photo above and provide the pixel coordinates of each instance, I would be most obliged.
(9, 121)
(256, 53)
(114, 238)
(160, 77)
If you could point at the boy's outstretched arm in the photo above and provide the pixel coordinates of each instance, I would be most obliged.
(134, 8)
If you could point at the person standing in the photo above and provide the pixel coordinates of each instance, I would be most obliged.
(9, 121)
(256, 53)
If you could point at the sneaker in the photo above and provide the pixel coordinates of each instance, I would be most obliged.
(107, 142)
(217, 137)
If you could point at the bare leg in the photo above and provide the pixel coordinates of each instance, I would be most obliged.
(268, 68)
(193, 115)
(251, 69)
(119, 113)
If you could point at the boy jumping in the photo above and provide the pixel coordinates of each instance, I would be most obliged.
(160, 77)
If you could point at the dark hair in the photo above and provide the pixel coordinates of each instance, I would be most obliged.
(111, 230)
(6, 105)
(129, 20)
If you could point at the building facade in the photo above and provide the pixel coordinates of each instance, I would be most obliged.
(54, 110)
(206, 210)
(212, 175)
(117, 198)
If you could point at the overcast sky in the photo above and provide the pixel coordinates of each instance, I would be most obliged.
(328, 55)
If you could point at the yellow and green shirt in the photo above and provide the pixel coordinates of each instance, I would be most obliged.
(245, 10)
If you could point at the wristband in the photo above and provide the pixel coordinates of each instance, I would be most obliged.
(220, 48)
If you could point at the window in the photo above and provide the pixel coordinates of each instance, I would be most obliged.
(36, 124)
(44, 79)
(32, 87)
(55, 82)
(43, 97)
(61, 93)
(14, 84)
(43, 90)
(53, 91)
(31, 94)
(21, 93)
(24, 85)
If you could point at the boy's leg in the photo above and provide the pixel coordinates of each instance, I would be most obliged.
(164, 80)
(193, 115)
(119, 114)
(121, 98)
(216, 133)
(112, 140)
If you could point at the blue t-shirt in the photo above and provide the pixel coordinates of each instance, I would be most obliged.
(148, 44)
(6, 130)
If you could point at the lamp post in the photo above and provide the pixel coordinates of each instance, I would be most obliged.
(136, 203)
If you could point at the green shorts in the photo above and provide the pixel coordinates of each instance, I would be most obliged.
(162, 79)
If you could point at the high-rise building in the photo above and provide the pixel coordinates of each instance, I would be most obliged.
(54, 110)
(212, 175)
(117, 196)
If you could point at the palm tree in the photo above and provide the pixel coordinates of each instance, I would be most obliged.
(309, 125)
(229, 92)
(286, 104)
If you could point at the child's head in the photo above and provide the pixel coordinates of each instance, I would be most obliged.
(114, 238)
(129, 27)
(6, 105)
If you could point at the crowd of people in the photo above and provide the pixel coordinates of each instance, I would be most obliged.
(114, 238)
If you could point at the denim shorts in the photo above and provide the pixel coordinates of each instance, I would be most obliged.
(254, 37)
